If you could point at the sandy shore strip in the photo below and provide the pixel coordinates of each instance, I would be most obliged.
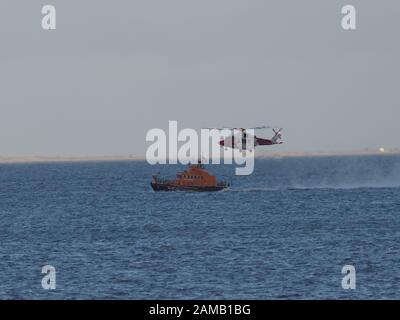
(263, 154)
(44, 159)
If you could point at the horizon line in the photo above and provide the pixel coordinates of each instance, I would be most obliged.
(275, 154)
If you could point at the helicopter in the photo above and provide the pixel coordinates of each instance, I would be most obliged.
(242, 136)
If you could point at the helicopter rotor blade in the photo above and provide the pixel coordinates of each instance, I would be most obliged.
(274, 128)
(265, 127)
(216, 128)
(225, 127)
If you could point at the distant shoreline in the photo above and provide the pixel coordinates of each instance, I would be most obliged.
(51, 159)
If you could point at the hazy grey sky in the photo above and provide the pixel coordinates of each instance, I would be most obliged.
(115, 69)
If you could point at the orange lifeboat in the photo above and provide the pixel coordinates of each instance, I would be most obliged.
(195, 178)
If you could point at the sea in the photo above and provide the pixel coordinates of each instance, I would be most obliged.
(287, 231)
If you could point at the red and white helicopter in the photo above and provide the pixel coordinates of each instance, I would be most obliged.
(240, 137)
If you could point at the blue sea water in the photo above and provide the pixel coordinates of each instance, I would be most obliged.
(284, 232)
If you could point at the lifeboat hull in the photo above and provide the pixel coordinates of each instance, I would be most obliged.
(171, 187)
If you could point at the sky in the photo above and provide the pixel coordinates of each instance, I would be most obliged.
(113, 70)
